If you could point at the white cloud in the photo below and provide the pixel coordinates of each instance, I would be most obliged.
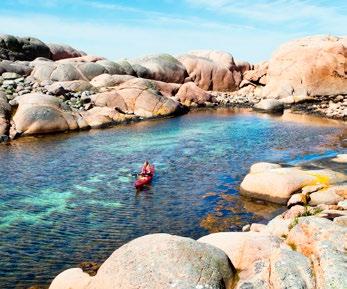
(319, 13)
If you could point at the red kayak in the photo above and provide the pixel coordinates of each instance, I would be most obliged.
(143, 180)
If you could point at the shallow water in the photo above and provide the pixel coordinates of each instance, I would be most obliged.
(70, 198)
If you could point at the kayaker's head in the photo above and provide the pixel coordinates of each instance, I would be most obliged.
(146, 163)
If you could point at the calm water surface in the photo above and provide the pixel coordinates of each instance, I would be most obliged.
(70, 198)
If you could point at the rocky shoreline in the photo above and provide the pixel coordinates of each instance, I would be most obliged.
(304, 247)
(48, 88)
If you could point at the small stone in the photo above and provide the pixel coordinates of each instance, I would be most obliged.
(342, 221)
(19, 80)
(312, 189)
(257, 227)
(8, 83)
(293, 212)
(19, 88)
(3, 138)
(246, 228)
(343, 204)
(341, 158)
(339, 98)
(24, 91)
(10, 75)
(297, 199)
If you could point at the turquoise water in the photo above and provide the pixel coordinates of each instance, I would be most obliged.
(70, 198)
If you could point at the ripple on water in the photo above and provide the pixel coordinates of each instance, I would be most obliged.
(63, 207)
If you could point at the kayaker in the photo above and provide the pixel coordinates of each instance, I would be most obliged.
(146, 169)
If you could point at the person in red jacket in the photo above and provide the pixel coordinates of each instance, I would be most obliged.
(146, 169)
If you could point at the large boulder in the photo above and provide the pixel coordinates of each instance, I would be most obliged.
(89, 70)
(310, 66)
(73, 69)
(329, 196)
(112, 67)
(161, 67)
(69, 86)
(243, 66)
(166, 89)
(108, 80)
(290, 269)
(99, 117)
(324, 242)
(126, 66)
(22, 48)
(263, 261)
(189, 93)
(65, 72)
(60, 51)
(158, 261)
(110, 99)
(222, 58)
(243, 248)
(209, 74)
(278, 184)
(83, 58)
(43, 70)
(19, 67)
(257, 75)
(40, 113)
(139, 97)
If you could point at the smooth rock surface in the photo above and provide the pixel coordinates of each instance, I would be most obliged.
(189, 93)
(210, 75)
(22, 48)
(60, 51)
(310, 66)
(159, 261)
(140, 97)
(161, 67)
(275, 185)
(324, 242)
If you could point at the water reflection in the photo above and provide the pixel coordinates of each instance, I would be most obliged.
(69, 198)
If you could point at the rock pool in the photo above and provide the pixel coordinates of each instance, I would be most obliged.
(70, 198)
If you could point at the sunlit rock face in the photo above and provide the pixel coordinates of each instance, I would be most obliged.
(212, 70)
(310, 66)
(140, 97)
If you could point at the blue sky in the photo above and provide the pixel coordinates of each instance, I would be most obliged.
(249, 29)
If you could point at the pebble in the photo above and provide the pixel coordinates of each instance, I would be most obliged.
(10, 75)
